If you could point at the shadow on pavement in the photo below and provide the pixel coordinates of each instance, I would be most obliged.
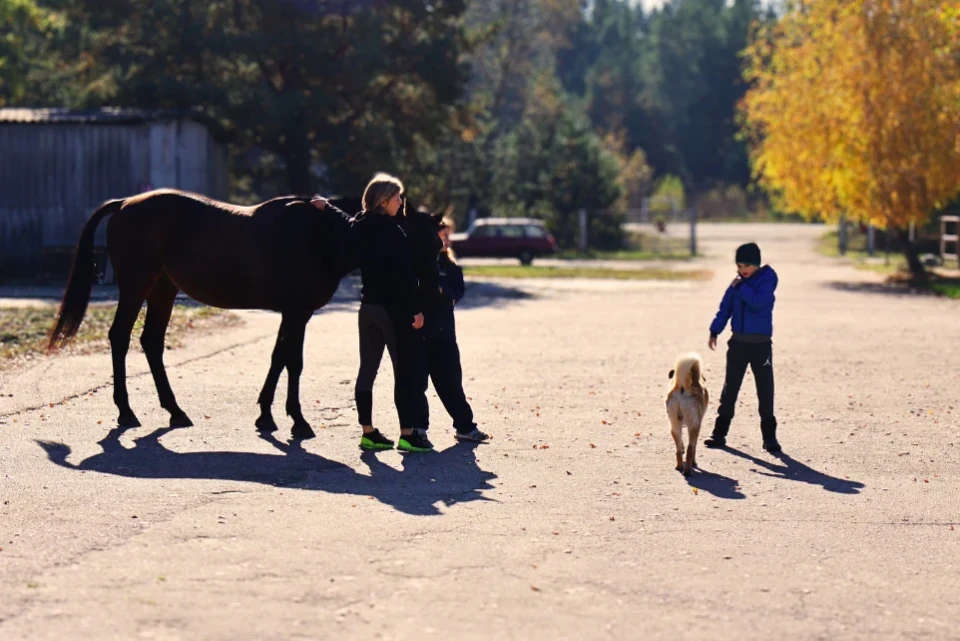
(449, 477)
(794, 470)
(722, 487)
(888, 289)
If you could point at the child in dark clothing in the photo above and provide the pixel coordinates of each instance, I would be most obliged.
(749, 301)
(442, 351)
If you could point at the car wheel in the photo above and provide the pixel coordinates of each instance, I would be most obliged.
(526, 258)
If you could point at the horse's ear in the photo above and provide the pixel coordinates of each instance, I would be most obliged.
(438, 218)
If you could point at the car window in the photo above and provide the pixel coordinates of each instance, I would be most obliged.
(511, 231)
(535, 231)
(484, 231)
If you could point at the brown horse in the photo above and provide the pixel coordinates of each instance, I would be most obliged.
(283, 255)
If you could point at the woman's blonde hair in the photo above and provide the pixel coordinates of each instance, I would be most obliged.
(380, 189)
(447, 223)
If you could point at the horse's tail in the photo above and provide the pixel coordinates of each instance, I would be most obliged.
(75, 299)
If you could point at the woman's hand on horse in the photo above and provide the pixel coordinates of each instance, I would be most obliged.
(418, 321)
(319, 202)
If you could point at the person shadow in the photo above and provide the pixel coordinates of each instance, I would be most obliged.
(445, 477)
(794, 470)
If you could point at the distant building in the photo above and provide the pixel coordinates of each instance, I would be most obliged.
(57, 166)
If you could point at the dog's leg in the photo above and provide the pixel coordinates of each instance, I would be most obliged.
(693, 433)
(676, 432)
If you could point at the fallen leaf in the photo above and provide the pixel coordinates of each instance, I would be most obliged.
(534, 588)
(593, 446)
(612, 518)
(604, 422)
(696, 491)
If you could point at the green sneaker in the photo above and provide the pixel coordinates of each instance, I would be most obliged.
(375, 441)
(416, 442)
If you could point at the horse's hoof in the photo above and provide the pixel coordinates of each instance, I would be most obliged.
(302, 431)
(687, 470)
(180, 420)
(679, 468)
(128, 420)
(266, 424)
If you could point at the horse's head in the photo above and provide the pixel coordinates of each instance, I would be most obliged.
(423, 229)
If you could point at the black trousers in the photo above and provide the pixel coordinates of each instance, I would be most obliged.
(379, 329)
(447, 377)
(759, 357)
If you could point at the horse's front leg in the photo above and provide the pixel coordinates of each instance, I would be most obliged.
(265, 422)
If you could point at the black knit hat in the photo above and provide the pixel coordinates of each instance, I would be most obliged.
(748, 254)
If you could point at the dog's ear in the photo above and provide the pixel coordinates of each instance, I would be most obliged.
(670, 375)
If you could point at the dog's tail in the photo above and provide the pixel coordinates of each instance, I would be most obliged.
(687, 373)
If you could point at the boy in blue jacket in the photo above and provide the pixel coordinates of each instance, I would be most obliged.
(749, 300)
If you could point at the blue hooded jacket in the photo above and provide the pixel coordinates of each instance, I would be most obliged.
(750, 304)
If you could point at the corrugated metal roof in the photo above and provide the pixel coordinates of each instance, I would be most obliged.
(105, 116)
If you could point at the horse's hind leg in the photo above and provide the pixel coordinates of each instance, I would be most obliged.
(159, 309)
(128, 308)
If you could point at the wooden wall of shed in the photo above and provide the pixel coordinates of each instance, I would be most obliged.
(53, 176)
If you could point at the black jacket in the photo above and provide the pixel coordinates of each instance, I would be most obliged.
(386, 264)
(438, 321)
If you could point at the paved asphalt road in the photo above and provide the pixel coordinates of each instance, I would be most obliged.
(572, 524)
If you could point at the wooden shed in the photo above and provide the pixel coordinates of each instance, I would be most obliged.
(58, 165)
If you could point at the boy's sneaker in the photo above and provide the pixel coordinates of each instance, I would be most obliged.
(716, 442)
(415, 442)
(473, 436)
(375, 441)
(772, 446)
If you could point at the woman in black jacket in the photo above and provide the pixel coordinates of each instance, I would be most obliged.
(389, 317)
(443, 354)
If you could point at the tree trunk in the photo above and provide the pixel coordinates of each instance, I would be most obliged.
(917, 270)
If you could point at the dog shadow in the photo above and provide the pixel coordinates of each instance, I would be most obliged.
(446, 477)
(794, 470)
(720, 486)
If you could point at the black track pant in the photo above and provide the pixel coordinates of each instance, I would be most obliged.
(759, 357)
(447, 377)
(379, 329)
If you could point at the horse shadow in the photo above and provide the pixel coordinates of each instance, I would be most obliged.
(446, 477)
(794, 470)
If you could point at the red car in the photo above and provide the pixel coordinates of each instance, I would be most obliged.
(521, 238)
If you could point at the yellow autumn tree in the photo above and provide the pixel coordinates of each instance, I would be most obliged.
(854, 108)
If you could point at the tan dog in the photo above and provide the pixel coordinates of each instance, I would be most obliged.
(686, 405)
